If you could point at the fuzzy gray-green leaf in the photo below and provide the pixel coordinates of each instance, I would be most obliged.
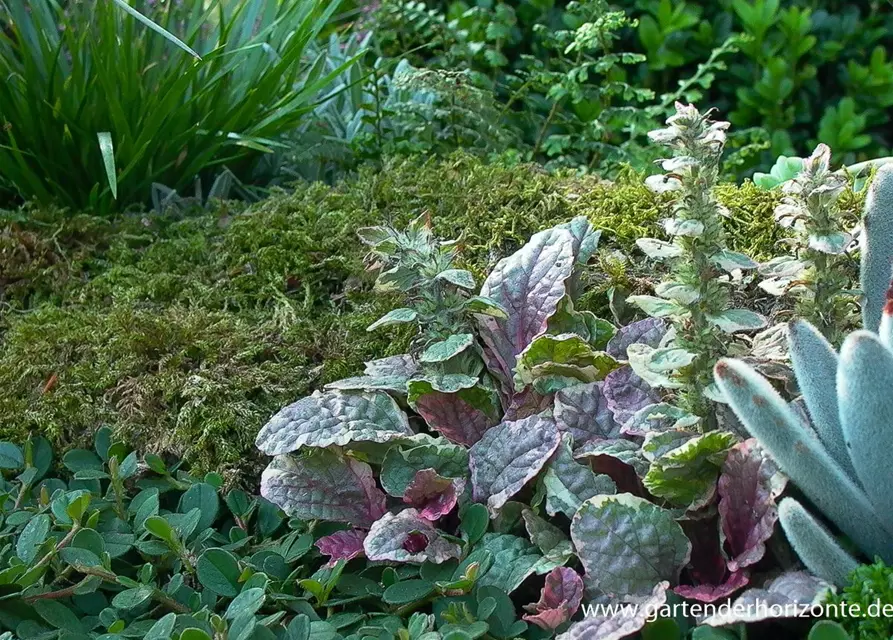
(333, 418)
(627, 545)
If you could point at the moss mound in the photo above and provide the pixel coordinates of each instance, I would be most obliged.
(187, 332)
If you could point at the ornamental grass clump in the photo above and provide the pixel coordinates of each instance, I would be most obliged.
(695, 298)
(98, 101)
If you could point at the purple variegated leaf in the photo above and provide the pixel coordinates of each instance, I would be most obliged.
(333, 418)
(620, 460)
(614, 625)
(778, 599)
(529, 284)
(454, 416)
(711, 592)
(527, 403)
(648, 331)
(407, 537)
(342, 545)
(510, 455)
(568, 484)
(559, 600)
(626, 393)
(400, 465)
(627, 545)
(748, 486)
(432, 494)
(324, 486)
(582, 410)
(707, 567)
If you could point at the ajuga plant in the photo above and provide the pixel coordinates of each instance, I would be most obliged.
(695, 298)
(838, 457)
(548, 474)
(815, 272)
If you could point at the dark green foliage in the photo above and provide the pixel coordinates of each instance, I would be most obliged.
(186, 333)
(122, 545)
(791, 73)
(871, 589)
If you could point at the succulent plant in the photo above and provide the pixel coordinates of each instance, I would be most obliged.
(840, 457)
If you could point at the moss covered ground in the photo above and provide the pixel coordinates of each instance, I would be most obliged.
(185, 332)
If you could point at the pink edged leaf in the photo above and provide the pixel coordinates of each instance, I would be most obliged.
(324, 486)
(527, 403)
(626, 393)
(333, 418)
(529, 284)
(510, 455)
(712, 593)
(748, 486)
(602, 625)
(778, 599)
(433, 494)
(342, 545)
(407, 537)
(559, 600)
(648, 331)
(401, 465)
(453, 416)
(582, 410)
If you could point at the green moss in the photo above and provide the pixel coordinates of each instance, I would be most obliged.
(186, 333)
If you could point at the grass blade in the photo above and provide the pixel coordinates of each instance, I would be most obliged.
(108, 158)
(156, 28)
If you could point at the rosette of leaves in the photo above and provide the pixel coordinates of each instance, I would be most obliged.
(816, 270)
(581, 482)
(695, 298)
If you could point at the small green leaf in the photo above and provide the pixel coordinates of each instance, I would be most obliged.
(486, 307)
(106, 148)
(458, 277)
(247, 602)
(132, 598)
(11, 456)
(32, 536)
(161, 528)
(446, 349)
(201, 496)
(219, 571)
(58, 615)
(474, 522)
(828, 630)
(163, 628)
(408, 591)
(397, 316)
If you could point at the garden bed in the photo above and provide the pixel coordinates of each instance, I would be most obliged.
(185, 332)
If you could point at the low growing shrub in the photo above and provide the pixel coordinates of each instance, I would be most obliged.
(122, 546)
